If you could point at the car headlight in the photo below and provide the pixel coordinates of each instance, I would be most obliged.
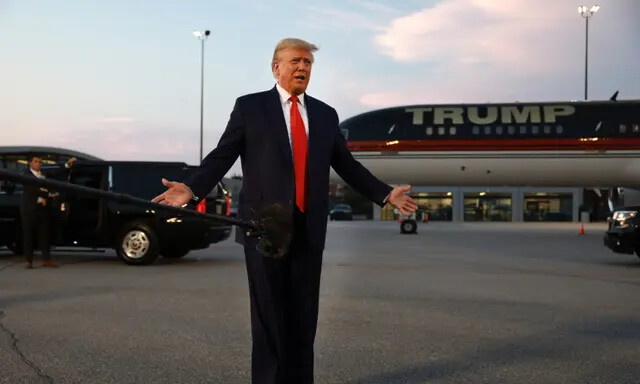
(624, 215)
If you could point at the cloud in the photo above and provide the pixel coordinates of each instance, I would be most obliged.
(135, 141)
(460, 51)
(488, 32)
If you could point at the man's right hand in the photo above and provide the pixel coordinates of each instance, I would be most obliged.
(177, 195)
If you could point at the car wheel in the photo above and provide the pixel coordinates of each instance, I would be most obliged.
(137, 244)
(408, 226)
(174, 253)
(637, 250)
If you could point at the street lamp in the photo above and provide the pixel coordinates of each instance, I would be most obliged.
(587, 13)
(202, 36)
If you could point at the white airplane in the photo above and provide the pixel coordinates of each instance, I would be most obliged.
(591, 143)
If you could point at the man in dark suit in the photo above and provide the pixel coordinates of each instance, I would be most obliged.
(35, 214)
(287, 141)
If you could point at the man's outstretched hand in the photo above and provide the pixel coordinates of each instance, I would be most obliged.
(405, 204)
(177, 195)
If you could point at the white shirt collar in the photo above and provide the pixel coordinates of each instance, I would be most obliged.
(284, 95)
(34, 172)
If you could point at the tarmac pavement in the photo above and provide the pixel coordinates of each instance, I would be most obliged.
(454, 303)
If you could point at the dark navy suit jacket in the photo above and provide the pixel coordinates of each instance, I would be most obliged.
(257, 132)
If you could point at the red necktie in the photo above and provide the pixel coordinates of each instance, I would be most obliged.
(299, 143)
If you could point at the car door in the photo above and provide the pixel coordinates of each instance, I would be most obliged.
(83, 217)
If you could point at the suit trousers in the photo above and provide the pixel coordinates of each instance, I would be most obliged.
(35, 226)
(284, 295)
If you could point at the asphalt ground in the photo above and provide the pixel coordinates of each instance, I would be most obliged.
(455, 303)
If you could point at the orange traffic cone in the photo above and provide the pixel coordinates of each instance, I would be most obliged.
(581, 229)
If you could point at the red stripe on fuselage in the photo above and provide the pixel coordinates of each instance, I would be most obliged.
(630, 143)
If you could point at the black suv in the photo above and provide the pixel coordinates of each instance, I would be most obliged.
(623, 234)
(137, 234)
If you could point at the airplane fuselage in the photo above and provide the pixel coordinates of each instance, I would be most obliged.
(518, 144)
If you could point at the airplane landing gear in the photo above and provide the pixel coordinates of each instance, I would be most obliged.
(408, 226)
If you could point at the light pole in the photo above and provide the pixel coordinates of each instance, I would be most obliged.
(587, 13)
(202, 36)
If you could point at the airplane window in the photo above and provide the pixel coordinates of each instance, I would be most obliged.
(440, 131)
(487, 130)
(499, 130)
(476, 130)
(547, 129)
(559, 129)
(429, 131)
(452, 131)
(534, 129)
(523, 129)
(512, 129)
(623, 128)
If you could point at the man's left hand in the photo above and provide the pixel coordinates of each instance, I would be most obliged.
(405, 204)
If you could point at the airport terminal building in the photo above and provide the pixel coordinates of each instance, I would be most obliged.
(521, 162)
(471, 204)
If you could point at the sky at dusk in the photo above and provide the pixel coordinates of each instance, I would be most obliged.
(120, 79)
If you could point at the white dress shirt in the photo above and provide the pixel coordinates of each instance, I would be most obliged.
(286, 110)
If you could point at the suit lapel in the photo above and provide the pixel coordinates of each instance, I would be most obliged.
(313, 133)
(317, 146)
(278, 125)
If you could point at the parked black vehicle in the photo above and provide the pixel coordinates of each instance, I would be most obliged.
(623, 234)
(138, 235)
(341, 212)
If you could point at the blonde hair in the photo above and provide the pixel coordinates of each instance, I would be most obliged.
(295, 44)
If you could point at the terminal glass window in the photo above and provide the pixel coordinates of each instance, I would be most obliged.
(484, 206)
(438, 206)
(548, 207)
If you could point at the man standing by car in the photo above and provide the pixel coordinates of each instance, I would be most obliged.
(287, 141)
(35, 214)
